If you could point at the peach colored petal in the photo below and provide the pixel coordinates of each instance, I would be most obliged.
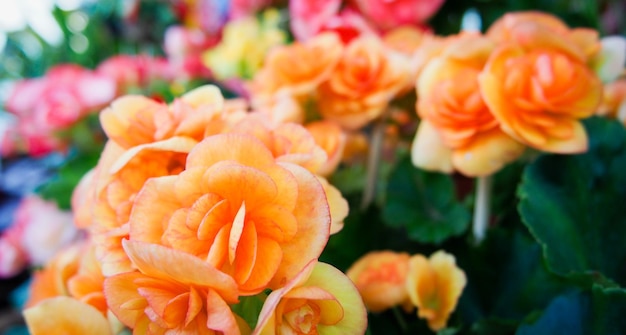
(486, 154)
(313, 215)
(204, 95)
(174, 144)
(67, 316)
(236, 147)
(337, 203)
(83, 198)
(332, 139)
(428, 151)
(161, 262)
(128, 121)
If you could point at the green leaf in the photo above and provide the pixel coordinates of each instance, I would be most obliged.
(598, 311)
(573, 205)
(565, 315)
(61, 186)
(249, 308)
(424, 204)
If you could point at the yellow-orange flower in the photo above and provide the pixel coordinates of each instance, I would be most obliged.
(319, 300)
(614, 100)
(171, 291)
(65, 315)
(434, 286)
(458, 130)
(380, 277)
(297, 69)
(537, 85)
(235, 206)
(366, 79)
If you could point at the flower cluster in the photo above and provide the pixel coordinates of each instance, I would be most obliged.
(216, 190)
(387, 279)
(527, 82)
(194, 206)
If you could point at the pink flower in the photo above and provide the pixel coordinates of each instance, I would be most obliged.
(135, 71)
(54, 102)
(310, 17)
(40, 229)
(184, 47)
(240, 8)
(12, 257)
(387, 14)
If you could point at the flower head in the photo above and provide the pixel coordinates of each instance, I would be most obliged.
(434, 286)
(319, 300)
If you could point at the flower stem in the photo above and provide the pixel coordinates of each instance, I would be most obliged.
(373, 161)
(482, 208)
(398, 314)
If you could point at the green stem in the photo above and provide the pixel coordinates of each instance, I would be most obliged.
(482, 208)
(373, 161)
(400, 319)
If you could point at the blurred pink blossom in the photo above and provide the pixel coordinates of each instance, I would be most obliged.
(55, 102)
(309, 17)
(135, 71)
(184, 48)
(39, 230)
(240, 8)
(388, 14)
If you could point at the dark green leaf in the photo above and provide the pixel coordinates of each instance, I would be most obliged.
(573, 205)
(249, 308)
(424, 203)
(598, 311)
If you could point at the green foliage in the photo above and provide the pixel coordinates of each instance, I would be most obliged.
(61, 186)
(573, 205)
(598, 311)
(249, 308)
(424, 204)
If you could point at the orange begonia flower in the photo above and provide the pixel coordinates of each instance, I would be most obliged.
(73, 272)
(65, 315)
(235, 206)
(506, 29)
(380, 277)
(434, 286)
(51, 281)
(171, 291)
(297, 69)
(119, 187)
(134, 120)
(366, 79)
(453, 111)
(538, 86)
(319, 300)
